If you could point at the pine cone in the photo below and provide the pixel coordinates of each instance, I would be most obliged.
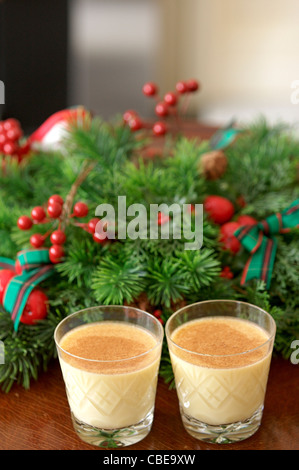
(213, 164)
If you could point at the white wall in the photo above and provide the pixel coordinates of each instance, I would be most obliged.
(244, 52)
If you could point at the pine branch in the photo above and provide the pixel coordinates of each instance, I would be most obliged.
(117, 280)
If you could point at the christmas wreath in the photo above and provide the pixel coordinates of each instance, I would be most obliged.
(52, 261)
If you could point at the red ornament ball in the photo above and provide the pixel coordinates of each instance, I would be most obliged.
(24, 222)
(80, 209)
(38, 213)
(150, 89)
(36, 308)
(246, 220)
(58, 237)
(37, 240)
(227, 239)
(5, 276)
(219, 209)
(54, 210)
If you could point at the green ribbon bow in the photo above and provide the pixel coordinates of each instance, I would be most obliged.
(222, 138)
(33, 267)
(260, 241)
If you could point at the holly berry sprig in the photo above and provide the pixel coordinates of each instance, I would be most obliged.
(54, 212)
(11, 134)
(165, 107)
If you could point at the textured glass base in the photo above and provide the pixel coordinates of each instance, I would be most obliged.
(113, 438)
(223, 434)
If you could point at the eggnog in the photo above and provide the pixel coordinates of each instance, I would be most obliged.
(110, 371)
(221, 367)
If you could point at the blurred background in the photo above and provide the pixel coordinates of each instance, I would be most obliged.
(99, 53)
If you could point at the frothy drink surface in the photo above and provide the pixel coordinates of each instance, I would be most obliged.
(107, 341)
(223, 380)
(220, 336)
(110, 371)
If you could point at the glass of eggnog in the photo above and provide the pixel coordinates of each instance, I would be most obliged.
(220, 353)
(109, 358)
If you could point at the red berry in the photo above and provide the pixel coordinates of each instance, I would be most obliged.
(80, 209)
(241, 201)
(170, 98)
(160, 128)
(129, 114)
(3, 138)
(14, 134)
(192, 85)
(150, 89)
(24, 222)
(162, 218)
(10, 148)
(58, 237)
(54, 210)
(38, 213)
(5, 276)
(99, 239)
(161, 109)
(37, 240)
(157, 313)
(246, 220)
(181, 87)
(92, 225)
(55, 198)
(135, 123)
(227, 238)
(56, 252)
(11, 123)
(226, 273)
(219, 208)
(36, 307)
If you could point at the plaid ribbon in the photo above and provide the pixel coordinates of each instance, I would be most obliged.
(35, 267)
(260, 241)
(222, 138)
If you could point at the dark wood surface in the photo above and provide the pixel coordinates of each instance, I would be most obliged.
(39, 418)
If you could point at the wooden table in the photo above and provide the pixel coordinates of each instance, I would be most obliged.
(39, 418)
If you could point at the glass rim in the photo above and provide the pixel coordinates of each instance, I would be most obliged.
(110, 307)
(186, 307)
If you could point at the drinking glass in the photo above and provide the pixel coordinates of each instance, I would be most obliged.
(111, 401)
(221, 396)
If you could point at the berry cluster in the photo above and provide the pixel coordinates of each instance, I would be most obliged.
(10, 136)
(165, 107)
(53, 212)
